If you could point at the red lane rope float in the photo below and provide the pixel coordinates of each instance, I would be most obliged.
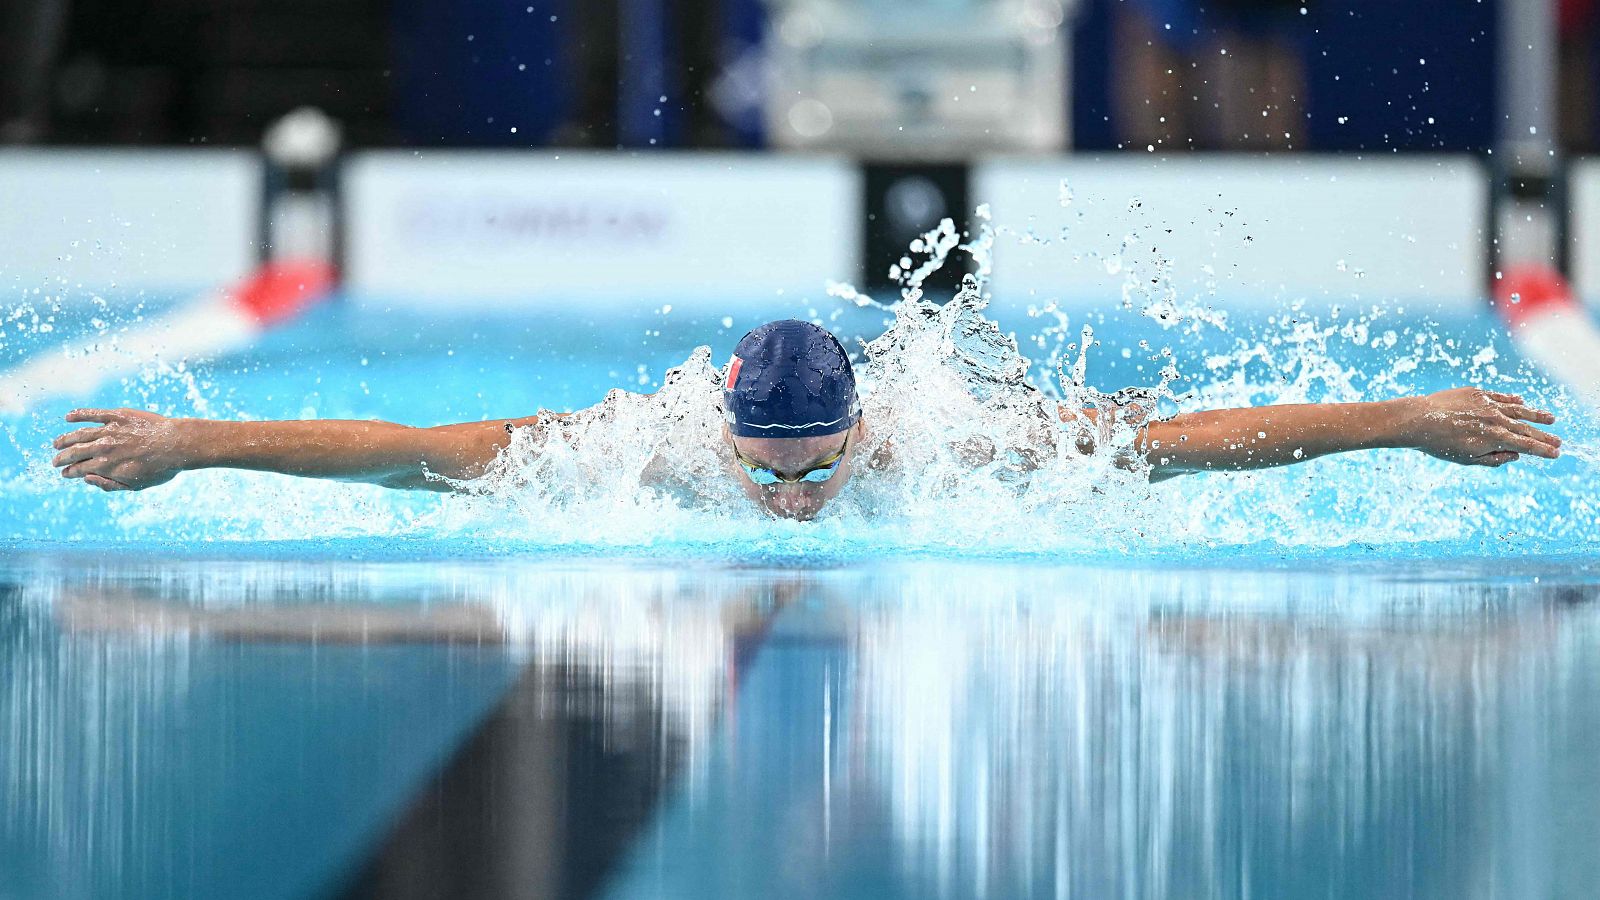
(1529, 292)
(280, 291)
(1550, 327)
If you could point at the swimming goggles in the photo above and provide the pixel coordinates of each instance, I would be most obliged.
(817, 474)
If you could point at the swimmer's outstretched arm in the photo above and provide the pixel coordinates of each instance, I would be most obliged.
(1463, 425)
(130, 450)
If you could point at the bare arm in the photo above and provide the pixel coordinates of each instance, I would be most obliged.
(1463, 425)
(133, 450)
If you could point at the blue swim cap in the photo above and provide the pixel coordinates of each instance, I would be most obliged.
(789, 379)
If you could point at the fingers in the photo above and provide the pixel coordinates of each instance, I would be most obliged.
(1528, 413)
(1495, 459)
(77, 453)
(1510, 440)
(1532, 432)
(1513, 406)
(104, 416)
(84, 468)
(77, 437)
(105, 484)
(91, 470)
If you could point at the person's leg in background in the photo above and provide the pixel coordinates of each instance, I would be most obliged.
(30, 33)
(1284, 80)
(1151, 85)
(1257, 74)
(1157, 88)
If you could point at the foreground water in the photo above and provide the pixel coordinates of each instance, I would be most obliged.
(215, 726)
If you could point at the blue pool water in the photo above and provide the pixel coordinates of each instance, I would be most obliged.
(187, 725)
(1363, 676)
(360, 361)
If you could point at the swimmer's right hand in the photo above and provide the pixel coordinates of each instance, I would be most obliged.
(129, 450)
(1473, 426)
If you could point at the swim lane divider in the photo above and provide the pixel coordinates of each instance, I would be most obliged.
(1550, 327)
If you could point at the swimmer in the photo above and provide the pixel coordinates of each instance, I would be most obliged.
(791, 434)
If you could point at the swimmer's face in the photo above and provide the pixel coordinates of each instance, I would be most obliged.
(791, 457)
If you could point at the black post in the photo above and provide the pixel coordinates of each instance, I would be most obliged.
(904, 201)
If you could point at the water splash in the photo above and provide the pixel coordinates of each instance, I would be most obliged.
(952, 424)
(974, 454)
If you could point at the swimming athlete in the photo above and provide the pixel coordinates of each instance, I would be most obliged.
(791, 434)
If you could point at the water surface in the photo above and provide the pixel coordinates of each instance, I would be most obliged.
(205, 725)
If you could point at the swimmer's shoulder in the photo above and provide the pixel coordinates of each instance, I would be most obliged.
(511, 425)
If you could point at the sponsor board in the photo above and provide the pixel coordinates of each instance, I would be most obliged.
(123, 222)
(1242, 231)
(486, 228)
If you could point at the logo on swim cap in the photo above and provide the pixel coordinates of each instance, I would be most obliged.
(790, 379)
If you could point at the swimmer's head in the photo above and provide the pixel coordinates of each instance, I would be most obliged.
(792, 417)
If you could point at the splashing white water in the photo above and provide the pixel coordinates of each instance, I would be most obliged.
(954, 429)
(974, 455)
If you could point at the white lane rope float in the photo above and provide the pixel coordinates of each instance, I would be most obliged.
(213, 324)
(1551, 328)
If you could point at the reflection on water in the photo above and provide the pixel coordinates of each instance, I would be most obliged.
(243, 729)
(278, 728)
(1360, 739)
(1004, 733)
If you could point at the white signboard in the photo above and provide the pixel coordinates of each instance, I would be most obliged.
(1246, 230)
(1584, 202)
(496, 228)
(122, 221)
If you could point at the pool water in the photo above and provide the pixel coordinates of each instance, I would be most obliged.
(190, 724)
(1363, 676)
(359, 360)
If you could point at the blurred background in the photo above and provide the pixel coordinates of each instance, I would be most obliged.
(734, 157)
(1023, 74)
